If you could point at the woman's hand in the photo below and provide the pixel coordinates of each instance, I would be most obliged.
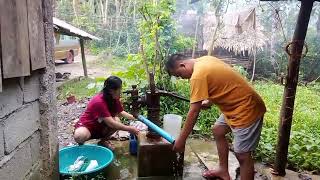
(133, 130)
(127, 115)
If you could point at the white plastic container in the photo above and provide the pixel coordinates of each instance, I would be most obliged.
(172, 124)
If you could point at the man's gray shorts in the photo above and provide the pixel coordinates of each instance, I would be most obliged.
(245, 139)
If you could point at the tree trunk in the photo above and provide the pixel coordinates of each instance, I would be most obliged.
(273, 41)
(101, 11)
(134, 11)
(254, 63)
(145, 61)
(195, 38)
(117, 4)
(106, 12)
(127, 27)
(75, 6)
(219, 12)
(214, 36)
(318, 26)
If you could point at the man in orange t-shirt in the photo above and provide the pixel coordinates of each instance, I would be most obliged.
(215, 82)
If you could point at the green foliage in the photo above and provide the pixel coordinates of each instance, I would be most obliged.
(158, 38)
(305, 136)
(241, 70)
(305, 133)
(77, 88)
(133, 73)
(182, 43)
(97, 85)
(64, 10)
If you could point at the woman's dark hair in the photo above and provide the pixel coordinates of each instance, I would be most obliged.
(111, 83)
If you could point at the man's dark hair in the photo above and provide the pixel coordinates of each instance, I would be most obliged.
(172, 61)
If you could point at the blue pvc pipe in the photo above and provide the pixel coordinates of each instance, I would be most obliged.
(156, 128)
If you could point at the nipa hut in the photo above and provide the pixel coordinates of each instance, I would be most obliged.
(238, 38)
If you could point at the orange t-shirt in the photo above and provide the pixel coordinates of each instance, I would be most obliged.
(217, 81)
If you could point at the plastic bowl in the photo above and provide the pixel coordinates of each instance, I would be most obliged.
(68, 155)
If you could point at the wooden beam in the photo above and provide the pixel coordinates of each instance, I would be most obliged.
(14, 38)
(295, 53)
(36, 34)
(83, 57)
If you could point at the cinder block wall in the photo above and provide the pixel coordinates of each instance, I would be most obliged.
(20, 128)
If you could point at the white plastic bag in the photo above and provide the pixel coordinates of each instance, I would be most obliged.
(76, 166)
(93, 164)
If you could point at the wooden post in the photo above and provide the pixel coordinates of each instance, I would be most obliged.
(295, 53)
(83, 57)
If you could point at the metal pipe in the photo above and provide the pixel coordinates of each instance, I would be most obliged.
(156, 129)
(171, 94)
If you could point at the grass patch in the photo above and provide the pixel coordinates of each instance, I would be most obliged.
(76, 88)
(114, 63)
(79, 88)
(304, 148)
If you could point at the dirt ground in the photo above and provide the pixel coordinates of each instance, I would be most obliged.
(76, 68)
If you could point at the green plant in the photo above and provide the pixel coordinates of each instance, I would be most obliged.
(305, 133)
(134, 72)
(241, 70)
(78, 88)
(97, 85)
(158, 39)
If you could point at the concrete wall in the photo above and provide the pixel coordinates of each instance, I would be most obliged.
(28, 118)
(20, 128)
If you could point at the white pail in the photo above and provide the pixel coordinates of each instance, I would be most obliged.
(172, 124)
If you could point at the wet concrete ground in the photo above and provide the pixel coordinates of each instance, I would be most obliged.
(124, 166)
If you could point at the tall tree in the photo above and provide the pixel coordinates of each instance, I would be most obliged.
(221, 7)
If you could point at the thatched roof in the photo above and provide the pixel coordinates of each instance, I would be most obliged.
(240, 32)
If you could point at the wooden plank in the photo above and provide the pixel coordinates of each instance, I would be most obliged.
(36, 34)
(14, 38)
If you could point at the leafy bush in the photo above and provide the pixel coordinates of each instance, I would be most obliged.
(304, 149)
(304, 145)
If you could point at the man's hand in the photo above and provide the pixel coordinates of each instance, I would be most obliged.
(187, 127)
(179, 145)
(206, 104)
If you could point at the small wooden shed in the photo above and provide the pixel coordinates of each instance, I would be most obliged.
(62, 27)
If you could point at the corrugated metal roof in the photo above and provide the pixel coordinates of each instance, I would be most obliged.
(65, 28)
